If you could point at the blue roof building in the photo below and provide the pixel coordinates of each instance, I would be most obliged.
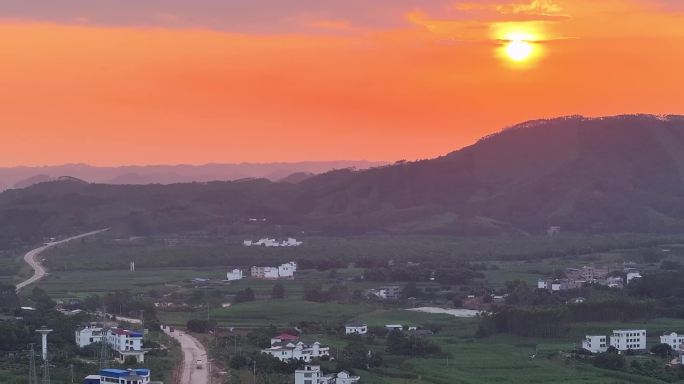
(120, 376)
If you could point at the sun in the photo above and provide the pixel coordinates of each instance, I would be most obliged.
(519, 50)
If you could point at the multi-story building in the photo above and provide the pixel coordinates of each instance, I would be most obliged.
(298, 351)
(595, 343)
(673, 340)
(628, 339)
(123, 342)
(88, 334)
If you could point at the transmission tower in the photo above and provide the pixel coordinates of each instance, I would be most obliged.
(46, 371)
(104, 347)
(33, 375)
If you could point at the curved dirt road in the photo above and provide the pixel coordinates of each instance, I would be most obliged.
(193, 350)
(38, 270)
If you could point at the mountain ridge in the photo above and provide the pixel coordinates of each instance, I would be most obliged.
(590, 175)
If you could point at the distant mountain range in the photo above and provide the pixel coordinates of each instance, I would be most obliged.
(587, 175)
(22, 177)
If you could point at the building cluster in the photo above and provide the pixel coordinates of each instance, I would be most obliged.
(577, 277)
(286, 347)
(121, 376)
(312, 374)
(266, 242)
(123, 342)
(283, 271)
(633, 340)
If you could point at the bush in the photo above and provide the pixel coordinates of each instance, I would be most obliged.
(609, 360)
(200, 326)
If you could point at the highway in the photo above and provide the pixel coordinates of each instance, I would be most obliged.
(31, 257)
(193, 350)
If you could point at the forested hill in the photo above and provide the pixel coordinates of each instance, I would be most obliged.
(614, 174)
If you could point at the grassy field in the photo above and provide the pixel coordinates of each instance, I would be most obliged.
(281, 313)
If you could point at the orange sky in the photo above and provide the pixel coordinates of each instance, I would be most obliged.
(110, 92)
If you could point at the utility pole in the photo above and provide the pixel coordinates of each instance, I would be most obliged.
(71, 368)
(33, 375)
(254, 380)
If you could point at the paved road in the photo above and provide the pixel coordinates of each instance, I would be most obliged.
(193, 350)
(31, 257)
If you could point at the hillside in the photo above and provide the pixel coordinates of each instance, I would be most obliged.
(615, 174)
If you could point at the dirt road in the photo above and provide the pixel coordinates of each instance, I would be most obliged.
(31, 258)
(193, 350)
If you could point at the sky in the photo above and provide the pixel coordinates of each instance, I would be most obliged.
(114, 82)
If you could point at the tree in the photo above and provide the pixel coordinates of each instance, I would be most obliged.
(8, 298)
(411, 290)
(244, 295)
(41, 299)
(200, 326)
(609, 360)
(278, 291)
(662, 350)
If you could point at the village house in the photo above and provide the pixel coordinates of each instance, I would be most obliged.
(299, 351)
(595, 343)
(356, 328)
(392, 292)
(123, 342)
(284, 338)
(235, 274)
(312, 374)
(283, 271)
(266, 242)
(394, 327)
(675, 341)
(628, 339)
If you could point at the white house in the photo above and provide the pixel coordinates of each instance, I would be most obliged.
(266, 242)
(673, 340)
(269, 273)
(312, 374)
(235, 274)
(542, 284)
(628, 339)
(122, 341)
(355, 328)
(345, 377)
(633, 275)
(287, 270)
(283, 271)
(595, 343)
(299, 351)
(87, 335)
(290, 242)
(394, 327)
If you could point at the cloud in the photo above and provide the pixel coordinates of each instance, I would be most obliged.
(241, 16)
(494, 20)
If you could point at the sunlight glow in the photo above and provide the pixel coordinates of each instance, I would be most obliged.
(519, 50)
